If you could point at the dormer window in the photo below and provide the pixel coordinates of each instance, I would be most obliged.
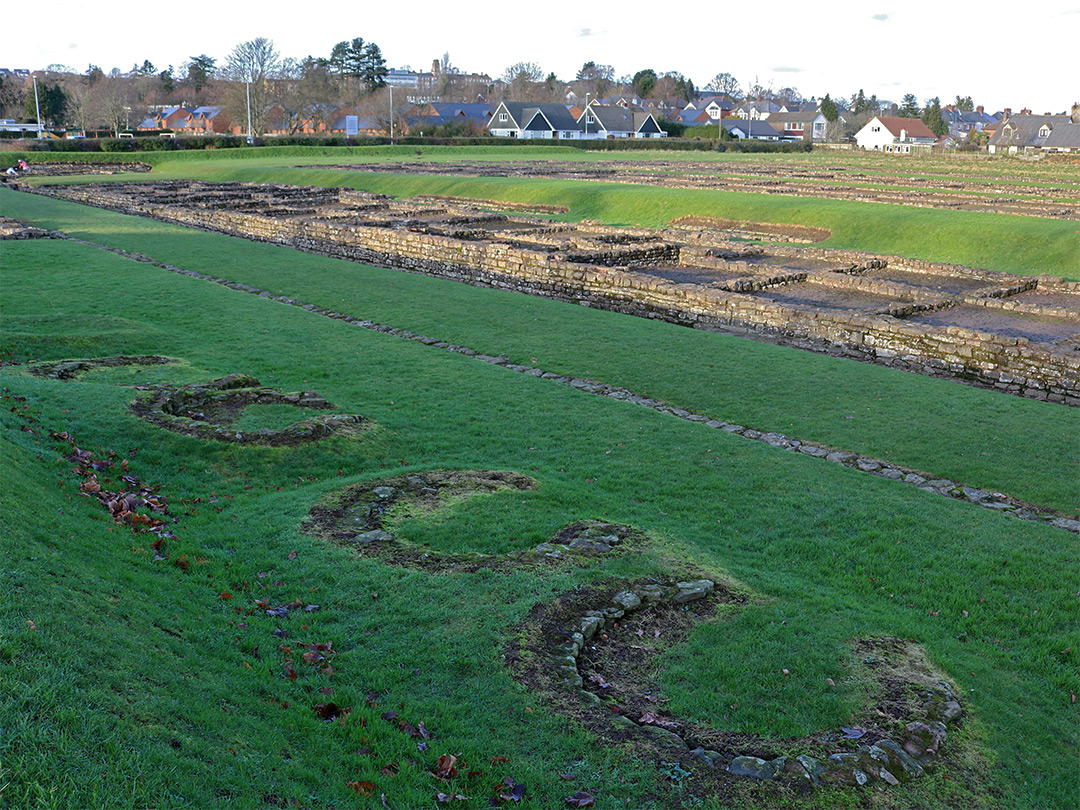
(1044, 131)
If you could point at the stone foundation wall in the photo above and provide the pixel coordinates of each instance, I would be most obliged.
(1011, 364)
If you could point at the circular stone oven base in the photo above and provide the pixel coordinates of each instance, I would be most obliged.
(207, 411)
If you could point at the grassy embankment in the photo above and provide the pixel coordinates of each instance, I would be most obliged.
(137, 683)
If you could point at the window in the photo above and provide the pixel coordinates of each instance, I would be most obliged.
(502, 116)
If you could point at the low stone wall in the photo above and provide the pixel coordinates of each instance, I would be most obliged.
(601, 278)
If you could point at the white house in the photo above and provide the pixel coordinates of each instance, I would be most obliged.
(533, 121)
(895, 135)
(603, 121)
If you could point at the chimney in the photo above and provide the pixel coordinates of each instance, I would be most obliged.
(1007, 111)
(979, 109)
(1075, 112)
(1025, 112)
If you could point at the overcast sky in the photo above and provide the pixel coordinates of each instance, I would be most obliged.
(1012, 56)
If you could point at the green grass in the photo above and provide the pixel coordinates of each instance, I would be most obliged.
(133, 683)
(1025, 448)
(1025, 245)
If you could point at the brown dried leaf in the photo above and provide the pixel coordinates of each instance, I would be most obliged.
(446, 768)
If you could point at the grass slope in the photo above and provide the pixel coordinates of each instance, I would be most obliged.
(135, 683)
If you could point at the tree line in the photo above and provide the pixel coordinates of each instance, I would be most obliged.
(255, 77)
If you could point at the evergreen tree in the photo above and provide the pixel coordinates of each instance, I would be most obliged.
(860, 103)
(52, 101)
(910, 107)
(373, 68)
(199, 71)
(828, 109)
(644, 81)
(932, 118)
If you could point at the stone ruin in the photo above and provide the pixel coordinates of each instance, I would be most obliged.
(1018, 334)
(208, 411)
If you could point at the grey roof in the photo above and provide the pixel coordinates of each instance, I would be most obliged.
(1064, 136)
(475, 112)
(794, 117)
(534, 116)
(1023, 130)
(753, 129)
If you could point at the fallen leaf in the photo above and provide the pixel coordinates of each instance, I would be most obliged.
(292, 555)
(450, 797)
(516, 792)
(853, 733)
(446, 768)
(363, 788)
(653, 719)
(580, 799)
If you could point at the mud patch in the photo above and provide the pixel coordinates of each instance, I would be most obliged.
(593, 652)
(70, 369)
(208, 411)
(357, 518)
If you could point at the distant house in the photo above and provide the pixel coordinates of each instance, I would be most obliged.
(691, 117)
(535, 121)
(205, 120)
(799, 126)
(961, 123)
(169, 118)
(715, 106)
(895, 135)
(751, 130)
(184, 121)
(1025, 133)
(428, 116)
(755, 110)
(601, 122)
(1064, 138)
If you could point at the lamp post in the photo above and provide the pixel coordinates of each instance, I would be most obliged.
(587, 116)
(248, 86)
(391, 113)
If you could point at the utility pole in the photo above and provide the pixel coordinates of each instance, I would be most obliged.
(37, 107)
(391, 113)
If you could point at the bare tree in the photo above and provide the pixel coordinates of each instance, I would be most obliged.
(724, 83)
(251, 66)
(525, 82)
(112, 103)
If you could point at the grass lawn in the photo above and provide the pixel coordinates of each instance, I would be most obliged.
(137, 682)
